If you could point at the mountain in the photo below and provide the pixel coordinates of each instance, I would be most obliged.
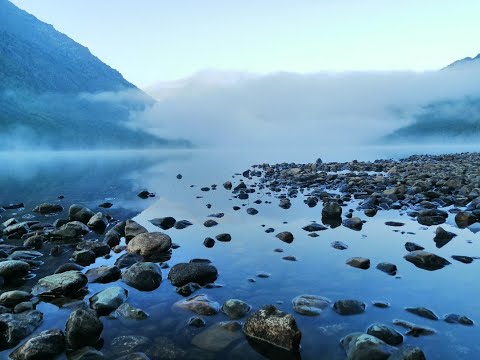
(54, 93)
(464, 63)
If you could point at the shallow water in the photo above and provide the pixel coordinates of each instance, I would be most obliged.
(92, 178)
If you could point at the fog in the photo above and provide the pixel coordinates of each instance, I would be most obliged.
(301, 110)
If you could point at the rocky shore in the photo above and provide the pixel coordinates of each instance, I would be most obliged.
(431, 190)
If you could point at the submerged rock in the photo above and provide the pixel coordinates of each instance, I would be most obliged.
(408, 353)
(349, 307)
(275, 327)
(218, 336)
(235, 309)
(108, 300)
(127, 311)
(16, 327)
(47, 208)
(360, 346)
(123, 345)
(458, 319)
(199, 304)
(386, 334)
(423, 312)
(310, 305)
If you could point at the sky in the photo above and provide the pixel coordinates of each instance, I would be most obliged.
(163, 40)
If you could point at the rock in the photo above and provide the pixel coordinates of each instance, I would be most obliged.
(410, 246)
(414, 330)
(132, 229)
(164, 223)
(106, 205)
(71, 231)
(224, 237)
(285, 236)
(200, 273)
(381, 304)
(144, 276)
(464, 219)
(16, 327)
(108, 300)
(98, 222)
(235, 309)
(23, 306)
(80, 213)
(394, 223)
(314, 227)
(182, 224)
(425, 260)
(83, 328)
(86, 353)
(46, 345)
(285, 203)
(123, 345)
(289, 258)
(127, 311)
(63, 284)
(67, 267)
(46, 208)
(389, 268)
(164, 348)
(127, 260)
(199, 304)
(196, 321)
(210, 223)
(35, 241)
(14, 297)
(331, 209)
(349, 307)
(188, 289)
(84, 257)
(359, 346)
(386, 334)
(113, 236)
(150, 245)
(408, 353)
(423, 312)
(144, 194)
(458, 319)
(103, 274)
(339, 245)
(209, 242)
(98, 247)
(463, 259)
(310, 305)
(311, 201)
(218, 336)
(13, 269)
(275, 327)
(228, 185)
(353, 223)
(359, 263)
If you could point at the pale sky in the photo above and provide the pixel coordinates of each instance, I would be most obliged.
(161, 40)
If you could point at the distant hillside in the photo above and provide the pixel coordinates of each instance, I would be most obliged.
(53, 91)
(464, 63)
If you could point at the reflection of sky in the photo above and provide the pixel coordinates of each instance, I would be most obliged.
(320, 269)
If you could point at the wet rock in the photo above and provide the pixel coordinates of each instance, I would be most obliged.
(113, 236)
(86, 353)
(386, 334)
(381, 304)
(224, 237)
(463, 259)
(314, 227)
(98, 222)
(188, 289)
(127, 260)
(289, 258)
(46, 208)
(71, 231)
(413, 329)
(311, 201)
(349, 307)
(423, 312)
(150, 245)
(83, 328)
(389, 268)
(310, 305)
(425, 260)
(144, 194)
(199, 304)
(196, 321)
(123, 345)
(235, 309)
(353, 223)
(16, 230)
(410, 246)
(164, 348)
(99, 248)
(23, 306)
(270, 230)
(339, 245)
(132, 229)
(219, 336)
(359, 346)
(103, 274)
(252, 211)
(331, 209)
(458, 319)
(80, 213)
(63, 284)
(144, 276)
(408, 353)
(16, 327)
(13, 269)
(182, 224)
(285, 203)
(108, 300)
(35, 241)
(84, 257)
(67, 267)
(275, 327)
(285, 236)
(200, 273)
(359, 263)
(127, 311)
(209, 242)
(14, 297)
(228, 185)
(394, 223)
(210, 223)
(464, 219)
(164, 223)
(106, 205)
(46, 345)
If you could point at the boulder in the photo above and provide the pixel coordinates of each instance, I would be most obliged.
(83, 328)
(200, 273)
(46, 345)
(46, 208)
(62, 284)
(310, 305)
(360, 346)
(149, 245)
(108, 300)
(16, 327)
(425, 260)
(144, 276)
(80, 213)
(132, 229)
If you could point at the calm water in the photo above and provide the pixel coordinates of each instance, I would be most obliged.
(92, 178)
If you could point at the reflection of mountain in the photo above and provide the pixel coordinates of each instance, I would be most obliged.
(44, 76)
